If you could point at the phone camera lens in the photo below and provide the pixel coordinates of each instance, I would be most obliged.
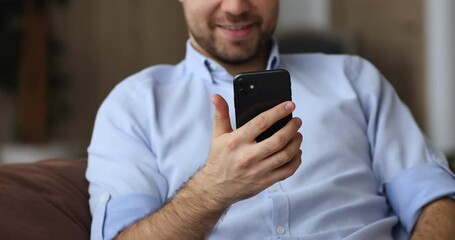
(251, 86)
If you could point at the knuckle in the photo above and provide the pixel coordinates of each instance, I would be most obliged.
(286, 155)
(254, 173)
(291, 168)
(282, 159)
(240, 165)
(247, 157)
(261, 184)
(284, 177)
(278, 141)
(245, 161)
(290, 172)
(232, 143)
(260, 122)
(243, 134)
(295, 166)
(300, 137)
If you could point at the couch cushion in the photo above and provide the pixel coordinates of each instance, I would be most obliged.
(44, 200)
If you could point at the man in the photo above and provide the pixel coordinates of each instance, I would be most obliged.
(162, 167)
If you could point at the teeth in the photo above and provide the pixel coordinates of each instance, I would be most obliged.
(235, 27)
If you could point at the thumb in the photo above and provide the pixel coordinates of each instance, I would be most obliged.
(222, 123)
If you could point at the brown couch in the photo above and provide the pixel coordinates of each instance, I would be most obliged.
(44, 200)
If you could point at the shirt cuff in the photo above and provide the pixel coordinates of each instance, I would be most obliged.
(123, 210)
(414, 188)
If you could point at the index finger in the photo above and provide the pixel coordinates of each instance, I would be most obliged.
(252, 129)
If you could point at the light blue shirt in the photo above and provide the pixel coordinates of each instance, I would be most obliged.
(366, 166)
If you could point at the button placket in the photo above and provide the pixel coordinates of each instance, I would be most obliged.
(280, 210)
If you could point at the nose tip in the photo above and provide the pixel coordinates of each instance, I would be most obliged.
(235, 7)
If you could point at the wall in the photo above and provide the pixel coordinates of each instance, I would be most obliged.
(390, 34)
(104, 42)
(440, 19)
(437, 93)
(303, 14)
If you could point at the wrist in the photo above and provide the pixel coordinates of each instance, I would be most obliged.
(210, 192)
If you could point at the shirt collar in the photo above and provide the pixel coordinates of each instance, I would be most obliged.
(209, 69)
(274, 58)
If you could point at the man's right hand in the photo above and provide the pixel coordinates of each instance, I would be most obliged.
(238, 167)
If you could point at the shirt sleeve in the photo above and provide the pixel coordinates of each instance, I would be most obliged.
(410, 171)
(125, 183)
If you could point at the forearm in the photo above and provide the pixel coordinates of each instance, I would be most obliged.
(436, 221)
(191, 214)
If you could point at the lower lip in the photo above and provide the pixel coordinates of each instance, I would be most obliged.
(240, 33)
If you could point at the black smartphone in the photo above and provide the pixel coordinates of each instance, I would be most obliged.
(256, 92)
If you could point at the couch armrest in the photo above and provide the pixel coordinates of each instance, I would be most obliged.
(44, 200)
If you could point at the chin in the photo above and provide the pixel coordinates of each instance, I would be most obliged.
(237, 56)
(235, 60)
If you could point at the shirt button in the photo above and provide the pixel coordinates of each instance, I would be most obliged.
(103, 198)
(272, 189)
(439, 160)
(280, 230)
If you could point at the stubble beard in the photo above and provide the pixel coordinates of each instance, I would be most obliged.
(225, 52)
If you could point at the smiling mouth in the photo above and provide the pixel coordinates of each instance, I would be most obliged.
(239, 27)
(237, 31)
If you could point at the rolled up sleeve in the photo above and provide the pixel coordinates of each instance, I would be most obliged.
(124, 210)
(125, 183)
(414, 188)
(410, 171)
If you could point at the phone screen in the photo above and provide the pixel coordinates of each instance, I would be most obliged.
(256, 92)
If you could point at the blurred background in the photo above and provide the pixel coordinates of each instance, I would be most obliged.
(60, 58)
